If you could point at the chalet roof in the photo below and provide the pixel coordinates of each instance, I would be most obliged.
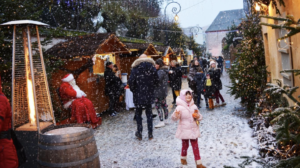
(139, 46)
(225, 19)
(86, 45)
(178, 51)
(151, 51)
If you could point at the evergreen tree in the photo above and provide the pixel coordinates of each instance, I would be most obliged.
(248, 75)
(14, 10)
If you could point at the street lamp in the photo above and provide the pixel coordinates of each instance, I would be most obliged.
(175, 10)
(195, 30)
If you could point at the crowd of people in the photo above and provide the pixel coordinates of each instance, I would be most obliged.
(149, 82)
(204, 78)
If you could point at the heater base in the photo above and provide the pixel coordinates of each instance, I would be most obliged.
(29, 140)
(28, 127)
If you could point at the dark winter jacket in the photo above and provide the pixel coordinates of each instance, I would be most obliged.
(113, 84)
(175, 78)
(193, 70)
(215, 75)
(161, 91)
(143, 80)
(208, 90)
(199, 79)
(220, 61)
(204, 63)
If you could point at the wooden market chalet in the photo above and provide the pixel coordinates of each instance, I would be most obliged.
(85, 57)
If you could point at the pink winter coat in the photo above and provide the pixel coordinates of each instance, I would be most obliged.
(187, 127)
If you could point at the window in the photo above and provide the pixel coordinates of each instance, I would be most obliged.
(100, 61)
(286, 60)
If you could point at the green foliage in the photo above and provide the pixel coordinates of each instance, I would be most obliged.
(14, 10)
(73, 15)
(198, 49)
(249, 69)
(287, 120)
(137, 26)
(228, 39)
(248, 160)
(113, 16)
(290, 24)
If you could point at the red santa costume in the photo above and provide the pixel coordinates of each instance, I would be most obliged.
(82, 108)
(8, 154)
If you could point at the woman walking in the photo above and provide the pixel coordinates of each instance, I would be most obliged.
(161, 92)
(195, 67)
(215, 75)
(175, 75)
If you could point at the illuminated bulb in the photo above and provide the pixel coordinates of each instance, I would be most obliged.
(176, 18)
(257, 7)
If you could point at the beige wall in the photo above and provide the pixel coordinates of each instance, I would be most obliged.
(274, 56)
(214, 42)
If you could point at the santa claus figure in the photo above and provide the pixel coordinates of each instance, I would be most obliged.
(82, 109)
(8, 154)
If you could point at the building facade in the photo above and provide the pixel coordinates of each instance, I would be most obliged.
(284, 54)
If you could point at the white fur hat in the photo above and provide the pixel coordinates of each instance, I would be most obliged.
(212, 62)
(68, 78)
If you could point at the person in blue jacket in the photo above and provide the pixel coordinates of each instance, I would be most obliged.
(199, 79)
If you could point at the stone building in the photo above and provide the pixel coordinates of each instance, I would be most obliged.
(219, 28)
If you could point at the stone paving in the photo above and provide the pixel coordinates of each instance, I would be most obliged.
(225, 136)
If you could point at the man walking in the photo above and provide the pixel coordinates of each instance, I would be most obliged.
(142, 82)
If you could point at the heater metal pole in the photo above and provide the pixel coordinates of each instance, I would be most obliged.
(32, 78)
(44, 71)
(13, 77)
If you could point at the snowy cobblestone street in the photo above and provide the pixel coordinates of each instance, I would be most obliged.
(225, 136)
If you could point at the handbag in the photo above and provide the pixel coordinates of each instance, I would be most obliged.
(19, 148)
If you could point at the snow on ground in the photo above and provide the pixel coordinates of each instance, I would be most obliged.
(224, 138)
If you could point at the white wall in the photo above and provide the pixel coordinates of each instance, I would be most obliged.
(214, 42)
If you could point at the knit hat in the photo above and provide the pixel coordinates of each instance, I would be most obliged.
(159, 62)
(68, 78)
(212, 62)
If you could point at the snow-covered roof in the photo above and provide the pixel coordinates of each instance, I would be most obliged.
(18, 22)
(225, 19)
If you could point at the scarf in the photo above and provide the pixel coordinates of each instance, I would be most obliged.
(208, 82)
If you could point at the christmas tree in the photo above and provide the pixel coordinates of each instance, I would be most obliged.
(248, 74)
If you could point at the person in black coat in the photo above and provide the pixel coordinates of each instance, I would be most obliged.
(220, 62)
(175, 76)
(142, 82)
(192, 84)
(215, 74)
(208, 90)
(161, 92)
(112, 87)
(199, 79)
(204, 64)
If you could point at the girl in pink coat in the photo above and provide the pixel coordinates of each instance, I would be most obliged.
(188, 127)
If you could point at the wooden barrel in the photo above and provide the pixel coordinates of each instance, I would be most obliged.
(68, 147)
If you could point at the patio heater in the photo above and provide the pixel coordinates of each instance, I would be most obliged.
(31, 102)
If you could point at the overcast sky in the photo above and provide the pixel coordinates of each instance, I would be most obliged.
(201, 12)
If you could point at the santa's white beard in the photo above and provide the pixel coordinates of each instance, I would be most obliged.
(75, 87)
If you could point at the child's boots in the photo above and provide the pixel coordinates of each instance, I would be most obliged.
(199, 164)
(183, 162)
